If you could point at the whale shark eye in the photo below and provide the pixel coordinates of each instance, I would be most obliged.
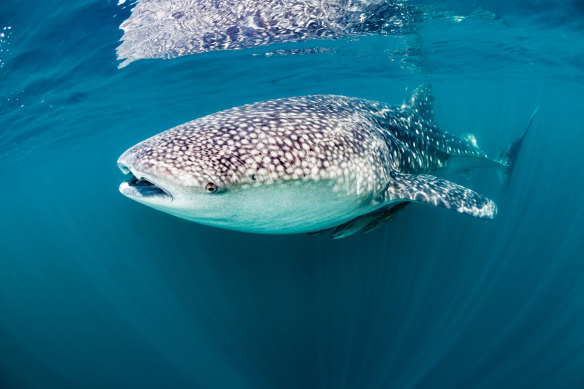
(210, 187)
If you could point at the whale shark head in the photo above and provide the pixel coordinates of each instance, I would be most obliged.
(243, 170)
(257, 201)
(194, 187)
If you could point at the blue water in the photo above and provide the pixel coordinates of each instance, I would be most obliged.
(98, 291)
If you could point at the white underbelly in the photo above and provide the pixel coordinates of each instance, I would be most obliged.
(286, 208)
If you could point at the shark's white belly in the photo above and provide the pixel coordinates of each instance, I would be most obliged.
(283, 208)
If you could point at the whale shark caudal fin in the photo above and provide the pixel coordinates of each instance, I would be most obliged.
(509, 156)
(422, 102)
(424, 188)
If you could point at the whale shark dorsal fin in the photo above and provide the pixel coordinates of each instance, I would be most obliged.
(422, 102)
(424, 188)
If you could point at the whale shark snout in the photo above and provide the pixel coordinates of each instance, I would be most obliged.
(142, 185)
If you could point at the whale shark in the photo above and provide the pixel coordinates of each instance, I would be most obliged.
(173, 28)
(309, 164)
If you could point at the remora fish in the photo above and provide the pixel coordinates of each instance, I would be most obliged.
(172, 28)
(306, 164)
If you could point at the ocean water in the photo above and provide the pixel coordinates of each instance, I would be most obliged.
(97, 291)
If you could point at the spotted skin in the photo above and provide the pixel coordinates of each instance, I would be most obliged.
(369, 154)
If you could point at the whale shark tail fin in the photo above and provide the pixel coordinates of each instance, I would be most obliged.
(508, 156)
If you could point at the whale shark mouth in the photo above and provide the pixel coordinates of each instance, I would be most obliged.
(141, 187)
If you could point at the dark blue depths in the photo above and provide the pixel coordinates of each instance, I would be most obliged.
(98, 291)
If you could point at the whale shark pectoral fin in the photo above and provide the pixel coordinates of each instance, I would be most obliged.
(423, 188)
(422, 102)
